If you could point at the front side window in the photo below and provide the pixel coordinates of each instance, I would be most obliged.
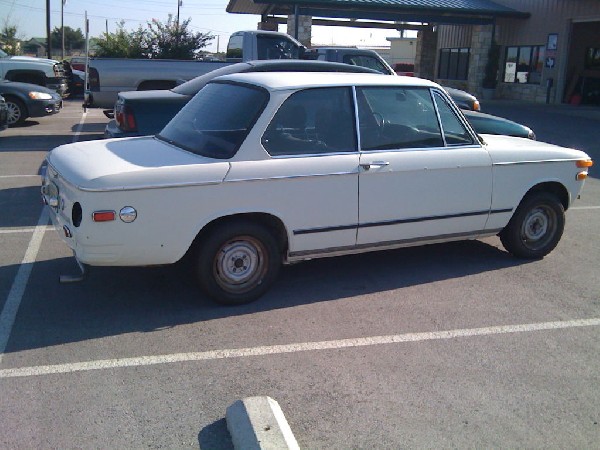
(217, 120)
(313, 121)
(524, 64)
(397, 117)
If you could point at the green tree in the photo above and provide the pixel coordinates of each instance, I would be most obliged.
(170, 41)
(123, 44)
(74, 39)
(8, 39)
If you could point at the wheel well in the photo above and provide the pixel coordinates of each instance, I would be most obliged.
(10, 97)
(27, 76)
(149, 85)
(554, 188)
(274, 224)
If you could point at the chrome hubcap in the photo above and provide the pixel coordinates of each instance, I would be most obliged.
(538, 227)
(14, 113)
(240, 264)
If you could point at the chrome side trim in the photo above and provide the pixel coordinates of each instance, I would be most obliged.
(399, 221)
(291, 177)
(518, 163)
(362, 248)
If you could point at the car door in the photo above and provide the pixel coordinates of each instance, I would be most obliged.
(423, 176)
(313, 170)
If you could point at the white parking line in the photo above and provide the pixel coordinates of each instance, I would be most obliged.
(585, 207)
(290, 348)
(25, 230)
(13, 301)
(11, 306)
(18, 176)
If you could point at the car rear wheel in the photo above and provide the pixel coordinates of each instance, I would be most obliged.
(17, 113)
(536, 227)
(238, 262)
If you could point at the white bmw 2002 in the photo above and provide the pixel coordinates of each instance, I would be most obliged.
(267, 168)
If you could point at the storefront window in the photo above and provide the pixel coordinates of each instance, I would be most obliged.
(524, 64)
(592, 58)
(454, 63)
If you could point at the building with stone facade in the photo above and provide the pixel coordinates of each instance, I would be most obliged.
(544, 50)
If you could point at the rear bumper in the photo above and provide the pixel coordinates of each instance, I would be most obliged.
(113, 131)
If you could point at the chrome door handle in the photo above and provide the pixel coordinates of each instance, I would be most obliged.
(368, 166)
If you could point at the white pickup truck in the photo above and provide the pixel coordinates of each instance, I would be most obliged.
(109, 76)
(40, 71)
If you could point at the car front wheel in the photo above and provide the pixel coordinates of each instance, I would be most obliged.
(536, 227)
(238, 262)
(17, 113)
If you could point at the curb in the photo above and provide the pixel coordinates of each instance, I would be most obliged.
(258, 423)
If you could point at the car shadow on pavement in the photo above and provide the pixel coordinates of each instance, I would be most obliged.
(32, 143)
(16, 204)
(114, 301)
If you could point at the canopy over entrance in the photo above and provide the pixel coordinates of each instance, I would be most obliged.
(474, 12)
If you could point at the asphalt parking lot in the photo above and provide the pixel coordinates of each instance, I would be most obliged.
(451, 345)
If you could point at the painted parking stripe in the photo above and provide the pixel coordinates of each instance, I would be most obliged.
(13, 301)
(584, 207)
(15, 295)
(25, 229)
(291, 348)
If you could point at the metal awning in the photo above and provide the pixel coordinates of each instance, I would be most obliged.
(423, 11)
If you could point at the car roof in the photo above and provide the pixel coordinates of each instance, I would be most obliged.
(295, 80)
(279, 65)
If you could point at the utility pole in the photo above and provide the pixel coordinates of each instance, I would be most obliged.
(48, 34)
(62, 27)
(179, 3)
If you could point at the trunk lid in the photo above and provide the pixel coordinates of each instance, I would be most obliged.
(133, 163)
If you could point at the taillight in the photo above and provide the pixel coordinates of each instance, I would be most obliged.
(93, 79)
(125, 118)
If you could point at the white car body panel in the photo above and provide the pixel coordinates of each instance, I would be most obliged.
(399, 195)
(327, 204)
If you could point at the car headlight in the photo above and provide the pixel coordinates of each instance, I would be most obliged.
(39, 96)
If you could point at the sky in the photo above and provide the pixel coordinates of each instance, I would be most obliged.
(29, 16)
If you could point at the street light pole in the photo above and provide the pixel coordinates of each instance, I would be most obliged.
(62, 27)
(48, 34)
(177, 29)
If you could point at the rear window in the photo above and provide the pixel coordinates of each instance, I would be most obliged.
(217, 120)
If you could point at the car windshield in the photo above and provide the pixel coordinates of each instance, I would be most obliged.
(216, 121)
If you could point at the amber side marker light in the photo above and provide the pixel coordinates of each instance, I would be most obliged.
(103, 216)
(585, 163)
(582, 176)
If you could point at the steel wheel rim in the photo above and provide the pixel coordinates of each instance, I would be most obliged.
(14, 113)
(539, 227)
(240, 264)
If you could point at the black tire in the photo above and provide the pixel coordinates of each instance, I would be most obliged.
(237, 262)
(17, 112)
(536, 226)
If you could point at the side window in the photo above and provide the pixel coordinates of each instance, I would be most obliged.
(313, 121)
(366, 61)
(397, 117)
(270, 47)
(234, 48)
(454, 131)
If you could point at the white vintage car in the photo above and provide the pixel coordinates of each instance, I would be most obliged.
(262, 169)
